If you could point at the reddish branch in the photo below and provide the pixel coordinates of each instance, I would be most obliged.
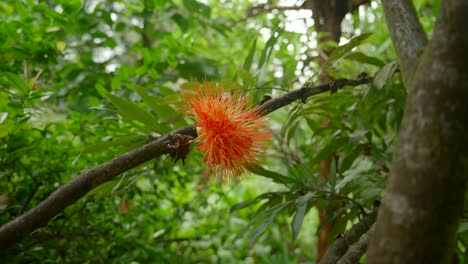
(66, 195)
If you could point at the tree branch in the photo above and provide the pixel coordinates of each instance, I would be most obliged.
(345, 243)
(69, 193)
(407, 34)
(357, 249)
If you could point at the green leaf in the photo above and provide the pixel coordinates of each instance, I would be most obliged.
(6, 127)
(165, 113)
(349, 159)
(243, 204)
(343, 50)
(301, 209)
(276, 177)
(267, 218)
(133, 111)
(333, 174)
(274, 198)
(247, 77)
(115, 83)
(181, 22)
(101, 90)
(248, 60)
(289, 127)
(331, 148)
(268, 195)
(266, 53)
(197, 7)
(292, 131)
(17, 83)
(333, 215)
(34, 79)
(384, 74)
(363, 58)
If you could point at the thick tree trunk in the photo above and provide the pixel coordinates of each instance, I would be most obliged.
(424, 198)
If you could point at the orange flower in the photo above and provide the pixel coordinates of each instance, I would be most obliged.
(231, 136)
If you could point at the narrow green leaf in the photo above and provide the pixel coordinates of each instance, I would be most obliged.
(333, 174)
(333, 215)
(273, 199)
(17, 83)
(298, 219)
(6, 127)
(267, 221)
(276, 177)
(247, 77)
(3, 116)
(332, 147)
(181, 22)
(115, 83)
(165, 113)
(268, 196)
(134, 112)
(292, 131)
(349, 159)
(243, 204)
(34, 79)
(343, 50)
(101, 90)
(363, 58)
(266, 53)
(384, 74)
(197, 7)
(248, 60)
(290, 125)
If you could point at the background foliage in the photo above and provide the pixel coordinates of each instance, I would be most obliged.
(82, 82)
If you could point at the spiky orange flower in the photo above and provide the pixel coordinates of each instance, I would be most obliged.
(231, 136)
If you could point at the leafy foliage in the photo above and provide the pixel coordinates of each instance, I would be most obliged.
(82, 82)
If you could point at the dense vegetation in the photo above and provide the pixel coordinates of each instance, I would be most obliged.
(83, 82)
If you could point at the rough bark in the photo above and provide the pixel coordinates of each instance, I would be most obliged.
(71, 192)
(423, 201)
(407, 34)
(357, 250)
(351, 242)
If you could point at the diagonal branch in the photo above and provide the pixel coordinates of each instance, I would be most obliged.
(357, 249)
(407, 34)
(348, 242)
(69, 193)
